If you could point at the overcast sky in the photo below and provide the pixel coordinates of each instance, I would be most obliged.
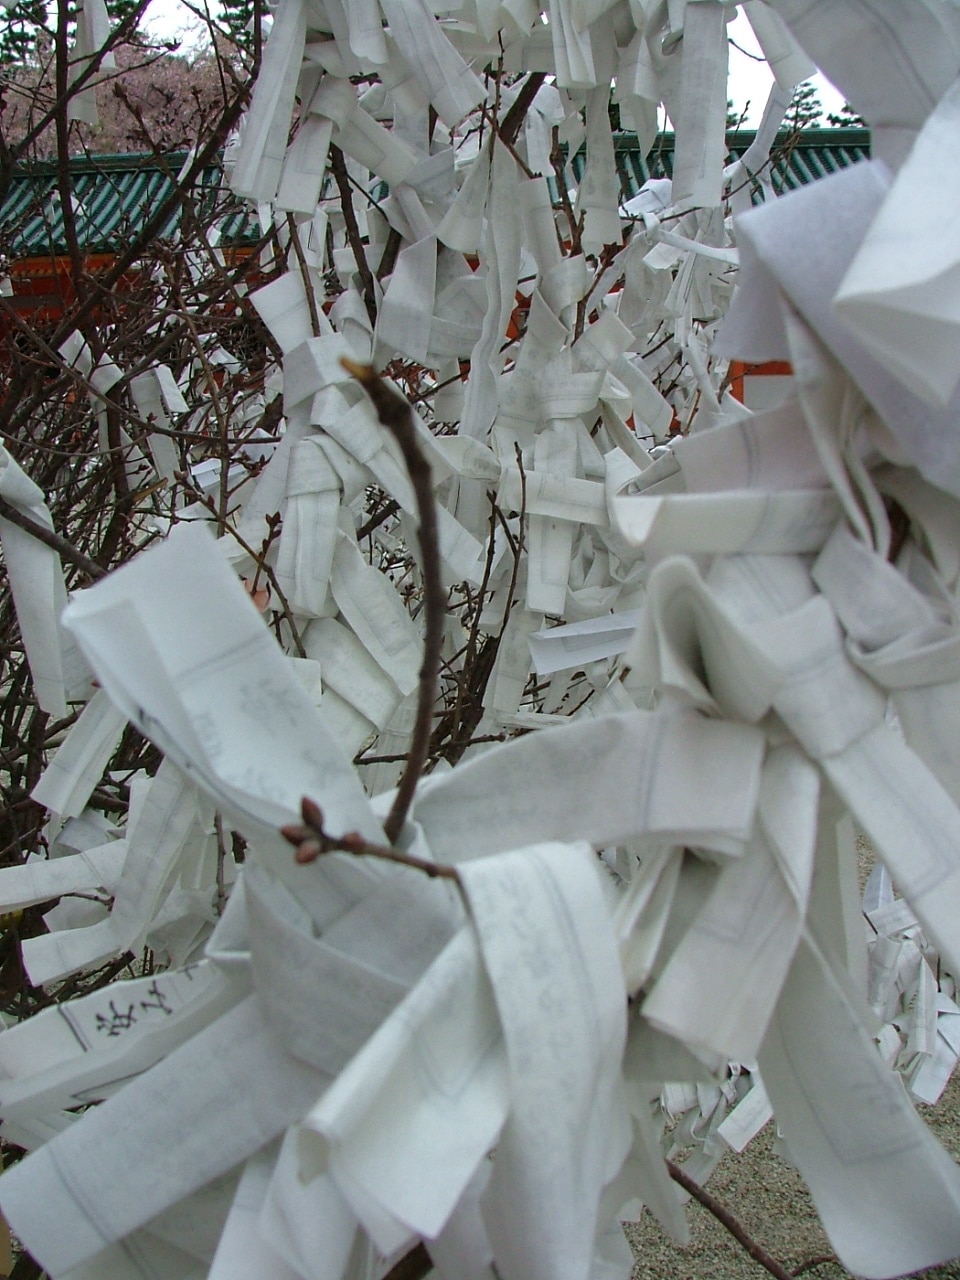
(751, 80)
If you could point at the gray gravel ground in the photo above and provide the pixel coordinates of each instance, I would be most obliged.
(769, 1198)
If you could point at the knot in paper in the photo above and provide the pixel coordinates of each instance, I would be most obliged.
(325, 996)
(825, 702)
(902, 633)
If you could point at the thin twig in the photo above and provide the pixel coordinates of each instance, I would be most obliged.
(397, 416)
(87, 75)
(558, 162)
(821, 1260)
(512, 122)
(727, 1219)
(518, 549)
(370, 526)
(221, 859)
(459, 743)
(415, 1264)
(304, 274)
(390, 252)
(262, 567)
(62, 124)
(312, 841)
(470, 650)
(223, 423)
(77, 318)
(338, 167)
(66, 549)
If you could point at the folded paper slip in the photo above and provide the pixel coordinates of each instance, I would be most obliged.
(192, 1117)
(178, 645)
(638, 785)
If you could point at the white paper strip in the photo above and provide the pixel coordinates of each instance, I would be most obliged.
(545, 936)
(636, 787)
(217, 694)
(899, 294)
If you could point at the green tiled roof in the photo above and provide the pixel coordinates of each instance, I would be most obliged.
(795, 159)
(115, 195)
(113, 198)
